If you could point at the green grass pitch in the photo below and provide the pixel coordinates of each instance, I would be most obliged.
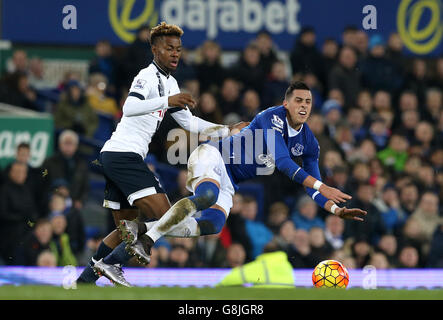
(90, 292)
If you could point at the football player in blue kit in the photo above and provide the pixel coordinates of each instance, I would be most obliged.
(274, 139)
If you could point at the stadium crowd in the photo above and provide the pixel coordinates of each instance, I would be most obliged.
(377, 114)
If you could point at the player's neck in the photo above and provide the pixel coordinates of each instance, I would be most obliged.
(295, 126)
(162, 69)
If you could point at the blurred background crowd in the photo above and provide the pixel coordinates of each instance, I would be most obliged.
(377, 114)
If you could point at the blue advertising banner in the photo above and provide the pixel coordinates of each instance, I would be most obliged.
(232, 23)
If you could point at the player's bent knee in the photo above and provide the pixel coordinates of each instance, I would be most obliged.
(205, 195)
(211, 221)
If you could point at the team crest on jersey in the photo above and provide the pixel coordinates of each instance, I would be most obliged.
(297, 150)
(276, 121)
(139, 84)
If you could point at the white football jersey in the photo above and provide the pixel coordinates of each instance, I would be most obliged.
(134, 133)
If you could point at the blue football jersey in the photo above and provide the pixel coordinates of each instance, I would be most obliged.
(270, 143)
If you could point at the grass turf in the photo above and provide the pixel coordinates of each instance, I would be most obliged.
(90, 292)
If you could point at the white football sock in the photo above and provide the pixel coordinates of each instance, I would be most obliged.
(188, 228)
(178, 213)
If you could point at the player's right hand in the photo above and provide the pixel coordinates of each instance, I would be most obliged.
(181, 100)
(333, 194)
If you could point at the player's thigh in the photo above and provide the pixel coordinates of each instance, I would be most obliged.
(153, 206)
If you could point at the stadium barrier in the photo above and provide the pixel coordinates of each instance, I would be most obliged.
(359, 278)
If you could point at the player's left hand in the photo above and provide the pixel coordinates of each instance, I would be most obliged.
(350, 214)
(235, 128)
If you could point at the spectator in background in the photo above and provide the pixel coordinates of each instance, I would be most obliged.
(74, 112)
(356, 120)
(35, 243)
(395, 154)
(278, 214)
(409, 197)
(34, 179)
(229, 97)
(268, 55)
(251, 105)
(394, 52)
(388, 246)
(178, 257)
(331, 160)
(235, 256)
(379, 261)
(60, 244)
(138, 55)
(208, 108)
(382, 101)
(305, 56)
(388, 203)
(98, 99)
(259, 235)
(373, 227)
(248, 69)
(320, 248)
(424, 136)
(305, 216)
(364, 152)
(337, 95)
(61, 203)
(316, 123)
(236, 227)
(435, 259)
(434, 104)
(15, 90)
(365, 102)
(378, 72)
(37, 79)
(19, 62)
(329, 54)
(301, 255)
(379, 132)
(46, 259)
(427, 215)
(361, 44)
(181, 191)
(426, 178)
(105, 64)
(334, 229)
(331, 111)
(339, 178)
(417, 79)
(209, 252)
(17, 211)
(361, 251)
(68, 165)
(346, 76)
(409, 121)
(209, 70)
(275, 85)
(408, 257)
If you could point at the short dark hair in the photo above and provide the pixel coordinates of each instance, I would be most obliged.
(23, 145)
(164, 29)
(297, 85)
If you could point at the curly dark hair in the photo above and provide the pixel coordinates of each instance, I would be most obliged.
(164, 29)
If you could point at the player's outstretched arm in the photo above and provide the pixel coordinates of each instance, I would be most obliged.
(345, 213)
(330, 193)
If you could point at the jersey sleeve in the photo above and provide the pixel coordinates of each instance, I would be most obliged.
(278, 149)
(310, 164)
(137, 102)
(194, 124)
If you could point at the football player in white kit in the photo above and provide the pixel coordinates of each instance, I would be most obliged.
(130, 186)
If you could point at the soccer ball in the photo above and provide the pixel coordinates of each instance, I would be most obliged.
(330, 274)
